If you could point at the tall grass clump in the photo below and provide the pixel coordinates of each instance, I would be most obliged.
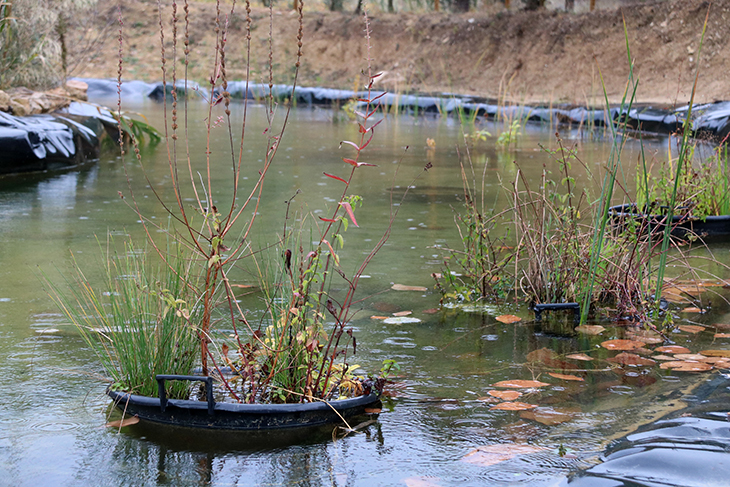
(140, 321)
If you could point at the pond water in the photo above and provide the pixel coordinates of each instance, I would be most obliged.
(53, 408)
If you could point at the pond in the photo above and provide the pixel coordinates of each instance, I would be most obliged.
(437, 412)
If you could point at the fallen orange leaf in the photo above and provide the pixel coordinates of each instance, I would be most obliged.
(508, 319)
(722, 335)
(672, 349)
(505, 395)
(631, 359)
(375, 317)
(403, 287)
(579, 356)
(520, 384)
(691, 328)
(403, 313)
(686, 366)
(492, 454)
(622, 344)
(716, 353)
(565, 376)
(123, 422)
(590, 329)
(693, 309)
(513, 406)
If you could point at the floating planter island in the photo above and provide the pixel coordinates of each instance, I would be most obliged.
(711, 228)
(210, 414)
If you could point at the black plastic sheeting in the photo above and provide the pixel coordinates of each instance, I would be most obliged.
(690, 449)
(40, 142)
(710, 121)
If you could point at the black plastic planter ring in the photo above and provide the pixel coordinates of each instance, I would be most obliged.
(192, 378)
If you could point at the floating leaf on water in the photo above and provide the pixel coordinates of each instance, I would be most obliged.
(508, 319)
(590, 329)
(403, 313)
(716, 353)
(403, 287)
(505, 395)
(513, 406)
(375, 317)
(665, 358)
(692, 357)
(431, 311)
(520, 384)
(550, 416)
(548, 358)
(622, 344)
(243, 286)
(401, 320)
(721, 326)
(631, 359)
(722, 335)
(683, 366)
(566, 376)
(373, 410)
(579, 356)
(421, 482)
(714, 360)
(691, 328)
(693, 309)
(646, 339)
(672, 349)
(493, 454)
(486, 399)
(123, 422)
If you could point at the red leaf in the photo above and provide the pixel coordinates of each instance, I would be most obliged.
(361, 128)
(377, 75)
(350, 162)
(327, 219)
(372, 134)
(348, 209)
(335, 177)
(379, 96)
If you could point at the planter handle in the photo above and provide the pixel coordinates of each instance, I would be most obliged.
(193, 378)
(539, 308)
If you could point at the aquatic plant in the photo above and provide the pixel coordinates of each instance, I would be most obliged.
(140, 321)
(300, 351)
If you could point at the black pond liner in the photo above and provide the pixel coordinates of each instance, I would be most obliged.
(212, 415)
(712, 228)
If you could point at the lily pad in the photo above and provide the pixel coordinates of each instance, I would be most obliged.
(550, 416)
(691, 328)
(513, 406)
(716, 353)
(631, 359)
(579, 356)
(566, 376)
(692, 357)
(683, 366)
(520, 384)
(693, 309)
(508, 319)
(590, 329)
(492, 454)
(622, 344)
(403, 287)
(672, 349)
(505, 395)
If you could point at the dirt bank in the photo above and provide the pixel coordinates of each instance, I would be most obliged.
(546, 56)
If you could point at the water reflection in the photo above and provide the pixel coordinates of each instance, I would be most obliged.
(53, 410)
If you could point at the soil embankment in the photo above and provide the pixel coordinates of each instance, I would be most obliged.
(527, 57)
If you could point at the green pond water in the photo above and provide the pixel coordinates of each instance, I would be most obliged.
(53, 408)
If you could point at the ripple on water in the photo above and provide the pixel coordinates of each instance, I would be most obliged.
(404, 342)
